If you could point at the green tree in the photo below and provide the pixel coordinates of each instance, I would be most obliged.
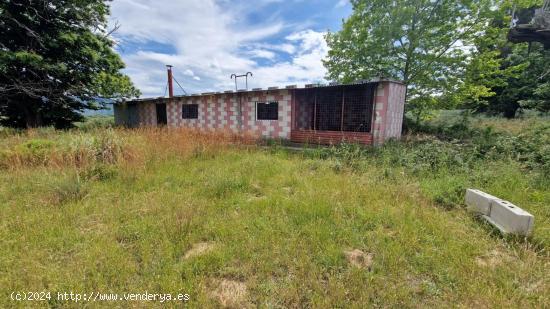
(421, 42)
(526, 89)
(56, 60)
(502, 77)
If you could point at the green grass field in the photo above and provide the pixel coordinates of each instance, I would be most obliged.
(246, 226)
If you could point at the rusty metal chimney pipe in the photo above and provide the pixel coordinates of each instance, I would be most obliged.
(170, 82)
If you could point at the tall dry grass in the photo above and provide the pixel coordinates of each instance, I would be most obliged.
(166, 142)
(58, 149)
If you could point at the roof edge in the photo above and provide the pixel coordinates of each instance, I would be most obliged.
(289, 87)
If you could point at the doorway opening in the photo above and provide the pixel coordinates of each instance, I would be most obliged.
(162, 120)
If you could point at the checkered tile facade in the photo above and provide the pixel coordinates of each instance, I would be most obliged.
(235, 112)
(147, 114)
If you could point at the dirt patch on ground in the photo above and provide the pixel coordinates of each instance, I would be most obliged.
(199, 249)
(493, 258)
(359, 258)
(229, 293)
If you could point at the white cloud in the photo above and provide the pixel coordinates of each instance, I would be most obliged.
(341, 3)
(209, 43)
(262, 53)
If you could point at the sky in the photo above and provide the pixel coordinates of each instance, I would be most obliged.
(280, 41)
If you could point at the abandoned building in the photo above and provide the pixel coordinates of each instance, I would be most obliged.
(367, 112)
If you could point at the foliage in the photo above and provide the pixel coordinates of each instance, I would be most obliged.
(418, 41)
(502, 77)
(459, 146)
(56, 59)
(91, 123)
(541, 99)
(449, 53)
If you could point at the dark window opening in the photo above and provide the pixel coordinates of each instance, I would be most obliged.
(267, 111)
(190, 111)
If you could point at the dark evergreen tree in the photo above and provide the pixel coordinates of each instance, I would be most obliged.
(56, 60)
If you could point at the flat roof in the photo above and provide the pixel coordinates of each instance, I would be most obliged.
(289, 87)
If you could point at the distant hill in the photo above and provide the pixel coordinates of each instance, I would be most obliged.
(103, 112)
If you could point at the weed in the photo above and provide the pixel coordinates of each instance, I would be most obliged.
(67, 190)
(100, 171)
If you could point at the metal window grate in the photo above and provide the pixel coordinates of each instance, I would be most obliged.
(267, 111)
(190, 111)
(340, 108)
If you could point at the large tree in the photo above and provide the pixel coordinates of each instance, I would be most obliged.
(56, 60)
(421, 42)
(502, 77)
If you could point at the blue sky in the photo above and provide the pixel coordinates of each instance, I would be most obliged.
(280, 42)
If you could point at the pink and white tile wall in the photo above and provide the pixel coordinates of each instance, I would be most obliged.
(236, 112)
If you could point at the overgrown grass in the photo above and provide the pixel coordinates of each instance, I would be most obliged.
(96, 122)
(277, 223)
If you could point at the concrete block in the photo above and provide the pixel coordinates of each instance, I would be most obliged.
(479, 201)
(505, 216)
(509, 218)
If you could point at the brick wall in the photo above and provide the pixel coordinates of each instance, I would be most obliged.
(268, 128)
(223, 112)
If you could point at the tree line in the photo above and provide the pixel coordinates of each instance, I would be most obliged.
(450, 53)
(57, 58)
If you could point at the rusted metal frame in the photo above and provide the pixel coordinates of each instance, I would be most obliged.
(293, 109)
(342, 111)
(374, 97)
(315, 111)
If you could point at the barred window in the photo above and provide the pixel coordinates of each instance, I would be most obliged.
(190, 111)
(267, 110)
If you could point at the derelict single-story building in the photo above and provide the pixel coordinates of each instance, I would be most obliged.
(367, 112)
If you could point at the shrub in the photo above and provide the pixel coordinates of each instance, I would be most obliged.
(100, 172)
(94, 123)
(33, 152)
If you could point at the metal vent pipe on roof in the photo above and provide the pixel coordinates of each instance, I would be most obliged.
(170, 83)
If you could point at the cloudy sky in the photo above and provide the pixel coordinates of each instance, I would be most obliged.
(280, 41)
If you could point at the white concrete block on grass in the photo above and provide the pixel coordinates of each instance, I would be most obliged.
(505, 216)
(509, 218)
(479, 201)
